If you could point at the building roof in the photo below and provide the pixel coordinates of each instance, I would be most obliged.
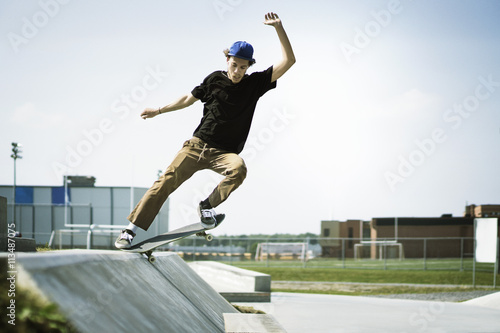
(419, 221)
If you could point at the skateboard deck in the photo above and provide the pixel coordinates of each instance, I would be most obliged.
(147, 246)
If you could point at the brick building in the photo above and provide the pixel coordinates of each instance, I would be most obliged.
(482, 211)
(450, 231)
(430, 237)
(350, 232)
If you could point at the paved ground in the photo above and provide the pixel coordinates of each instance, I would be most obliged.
(353, 314)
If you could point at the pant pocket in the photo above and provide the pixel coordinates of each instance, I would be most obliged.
(194, 143)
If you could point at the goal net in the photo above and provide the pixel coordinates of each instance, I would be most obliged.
(282, 251)
(387, 249)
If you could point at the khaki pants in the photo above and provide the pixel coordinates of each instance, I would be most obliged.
(194, 156)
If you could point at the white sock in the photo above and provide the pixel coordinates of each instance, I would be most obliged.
(132, 227)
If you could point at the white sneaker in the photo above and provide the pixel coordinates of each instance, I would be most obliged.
(124, 241)
(207, 217)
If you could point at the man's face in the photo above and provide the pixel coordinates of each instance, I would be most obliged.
(236, 69)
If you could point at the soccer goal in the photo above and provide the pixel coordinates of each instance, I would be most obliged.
(281, 251)
(383, 249)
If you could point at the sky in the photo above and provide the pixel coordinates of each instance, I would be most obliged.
(392, 108)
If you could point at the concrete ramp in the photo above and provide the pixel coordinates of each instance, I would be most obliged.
(491, 301)
(111, 291)
(233, 283)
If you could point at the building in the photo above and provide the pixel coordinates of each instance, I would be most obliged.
(40, 211)
(482, 211)
(409, 237)
(338, 236)
(415, 235)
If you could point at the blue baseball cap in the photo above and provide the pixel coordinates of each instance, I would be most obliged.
(242, 50)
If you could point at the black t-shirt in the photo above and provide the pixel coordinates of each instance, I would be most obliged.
(228, 108)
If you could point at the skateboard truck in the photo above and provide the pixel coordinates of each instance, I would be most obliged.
(152, 258)
(208, 237)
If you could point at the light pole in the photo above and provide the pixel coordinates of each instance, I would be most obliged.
(16, 150)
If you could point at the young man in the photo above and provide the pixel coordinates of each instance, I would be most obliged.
(229, 101)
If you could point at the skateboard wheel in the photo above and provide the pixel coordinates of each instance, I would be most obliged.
(151, 259)
(209, 237)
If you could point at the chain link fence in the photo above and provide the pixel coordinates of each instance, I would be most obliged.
(453, 253)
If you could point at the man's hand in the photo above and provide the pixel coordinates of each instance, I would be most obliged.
(180, 103)
(150, 113)
(272, 19)
(288, 59)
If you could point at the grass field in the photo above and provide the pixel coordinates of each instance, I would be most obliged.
(432, 272)
(376, 276)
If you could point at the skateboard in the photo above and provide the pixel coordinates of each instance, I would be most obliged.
(147, 246)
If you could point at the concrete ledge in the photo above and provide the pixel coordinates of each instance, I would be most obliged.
(21, 244)
(249, 297)
(251, 323)
(233, 283)
(112, 291)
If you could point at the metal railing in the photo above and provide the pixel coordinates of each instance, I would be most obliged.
(90, 231)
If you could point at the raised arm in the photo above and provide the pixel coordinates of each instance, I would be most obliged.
(180, 103)
(288, 58)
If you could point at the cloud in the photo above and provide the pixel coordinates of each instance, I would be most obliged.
(28, 115)
(411, 103)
